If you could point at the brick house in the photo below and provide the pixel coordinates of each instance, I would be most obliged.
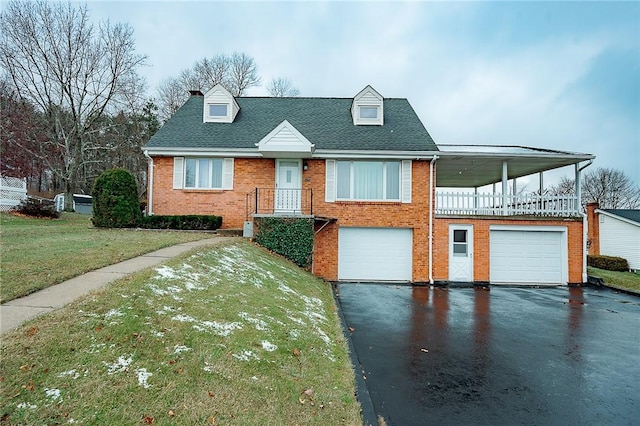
(365, 169)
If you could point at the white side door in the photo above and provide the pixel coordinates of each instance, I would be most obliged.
(288, 194)
(461, 253)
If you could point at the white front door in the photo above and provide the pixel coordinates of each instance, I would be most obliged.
(461, 253)
(288, 194)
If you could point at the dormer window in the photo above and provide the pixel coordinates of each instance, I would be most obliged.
(218, 110)
(367, 108)
(369, 112)
(219, 106)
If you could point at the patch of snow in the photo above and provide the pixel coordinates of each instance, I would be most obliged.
(183, 318)
(166, 272)
(157, 333)
(157, 290)
(54, 394)
(268, 346)
(286, 289)
(119, 366)
(296, 320)
(245, 356)
(113, 313)
(323, 335)
(254, 378)
(27, 406)
(177, 349)
(257, 322)
(219, 328)
(72, 373)
(143, 376)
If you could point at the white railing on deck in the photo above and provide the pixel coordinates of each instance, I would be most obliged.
(12, 191)
(491, 204)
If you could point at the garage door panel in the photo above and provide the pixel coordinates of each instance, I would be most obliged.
(527, 256)
(375, 254)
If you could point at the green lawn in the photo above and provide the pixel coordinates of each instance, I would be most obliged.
(38, 253)
(226, 335)
(624, 280)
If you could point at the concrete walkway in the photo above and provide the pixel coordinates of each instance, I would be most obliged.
(16, 312)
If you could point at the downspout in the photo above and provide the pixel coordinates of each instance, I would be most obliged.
(150, 186)
(584, 221)
(433, 162)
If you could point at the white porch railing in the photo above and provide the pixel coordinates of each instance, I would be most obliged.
(12, 191)
(493, 204)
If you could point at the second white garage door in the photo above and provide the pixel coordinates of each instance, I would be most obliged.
(375, 254)
(528, 255)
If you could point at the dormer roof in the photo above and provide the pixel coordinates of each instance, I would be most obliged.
(219, 106)
(368, 108)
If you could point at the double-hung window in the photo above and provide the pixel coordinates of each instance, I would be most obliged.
(368, 180)
(205, 173)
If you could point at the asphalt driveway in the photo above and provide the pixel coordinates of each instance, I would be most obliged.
(498, 356)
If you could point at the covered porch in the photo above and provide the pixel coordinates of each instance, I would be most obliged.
(482, 180)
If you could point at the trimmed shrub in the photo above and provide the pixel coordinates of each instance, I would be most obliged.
(182, 222)
(610, 263)
(289, 237)
(36, 208)
(115, 200)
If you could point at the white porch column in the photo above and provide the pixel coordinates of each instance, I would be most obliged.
(578, 206)
(505, 178)
(515, 189)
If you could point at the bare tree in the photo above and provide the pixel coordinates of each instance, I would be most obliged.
(73, 72)
(610, 188)
(236, 73)
(281, 87)
(243, 74)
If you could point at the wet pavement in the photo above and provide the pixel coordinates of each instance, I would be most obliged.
(500, 356)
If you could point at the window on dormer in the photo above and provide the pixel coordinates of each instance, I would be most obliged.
(369, 112)
(218, 110)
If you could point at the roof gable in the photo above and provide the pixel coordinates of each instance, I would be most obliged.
(285, 141)
(626, 215)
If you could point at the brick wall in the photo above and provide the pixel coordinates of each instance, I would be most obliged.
(481, 243)
(231, 205)
(370, 214)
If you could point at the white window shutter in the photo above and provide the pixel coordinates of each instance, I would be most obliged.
(330, 178)
(178, 172)
(406, 181)
(227, 173)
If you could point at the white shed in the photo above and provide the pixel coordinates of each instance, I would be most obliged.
(620, 234)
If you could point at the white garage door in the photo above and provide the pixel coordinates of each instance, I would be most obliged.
(375, 254)
(528, 256)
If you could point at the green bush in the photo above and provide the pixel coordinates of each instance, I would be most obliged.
(35, 208)
(183, 222)
(610, 263)
(115, 200)
(290, 237)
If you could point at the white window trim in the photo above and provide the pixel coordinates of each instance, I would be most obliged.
(180, 173)
(372, 119)
(218, 118)
(384, 185)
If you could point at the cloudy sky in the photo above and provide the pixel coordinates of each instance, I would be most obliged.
(559, 75)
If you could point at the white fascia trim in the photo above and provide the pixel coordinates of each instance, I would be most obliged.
(206, 152)
(404, 155)
(527, 228)
(614, 216)
(573, 156)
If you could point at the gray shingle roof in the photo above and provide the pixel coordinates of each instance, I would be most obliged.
(630, 214)
(325, 122)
